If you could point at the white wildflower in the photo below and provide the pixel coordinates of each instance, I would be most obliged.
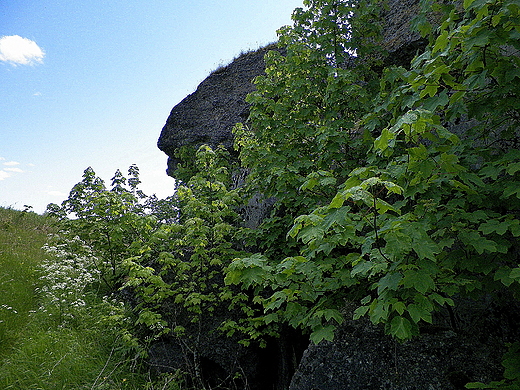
(68, 271)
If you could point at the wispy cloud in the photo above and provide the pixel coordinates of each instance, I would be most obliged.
(9, 168)
(4, 175)
(11, 163)
(20, 51)
(18, 170)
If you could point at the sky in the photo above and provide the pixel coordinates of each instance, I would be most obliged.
(91, 84)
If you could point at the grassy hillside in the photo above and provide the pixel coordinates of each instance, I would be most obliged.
(38, 350)
(22, 235)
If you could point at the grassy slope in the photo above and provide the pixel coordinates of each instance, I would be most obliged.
(37, 352)
(22, 235)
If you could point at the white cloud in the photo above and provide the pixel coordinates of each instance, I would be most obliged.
(13, 170)
(20, 51)
(9, 169)
(4, 175)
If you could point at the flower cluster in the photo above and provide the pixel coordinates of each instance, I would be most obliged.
(67, 272)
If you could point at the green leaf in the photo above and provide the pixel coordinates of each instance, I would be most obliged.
(397, 242)
(419, 280)
(276, 300)
(418, 313)
(480, 39)
(322, 333)
(436, 100)
(358, 193)
(333, 314)
(392, 187)
(430, 90)
(457, 184)
(338, 217)
(271, 317)
(478, 385)
(495, 225)
(511, 189)
(481, 244)
(426, 249)
(360, 312)
(390, 281)
(504, 275)
(515, 227)
(379, 311)
(515, 274)
(484, 245)
(401, 328)
(362, 268)
(399, 307)
(293, 232)
(382, 206)
(467, 3)
(440, 43)
(476, 81)
(422, 244)
(408, 118)
(337, 201)
(311, 233)
(383, 141)
(441, 300)
(512, 168)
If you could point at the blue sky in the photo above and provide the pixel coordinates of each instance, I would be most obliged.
(92, 83)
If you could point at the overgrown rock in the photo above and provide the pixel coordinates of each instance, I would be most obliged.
(208, 115)
(464, 345)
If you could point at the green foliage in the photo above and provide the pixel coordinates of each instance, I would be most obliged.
(75, 346)
(109, 227)
(183, 261)
(389, 201)
(108, 221)
(303, 115)
(383, 199)
(303, 137)
(169, 262)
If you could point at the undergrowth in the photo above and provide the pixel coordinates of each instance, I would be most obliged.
(49, 344)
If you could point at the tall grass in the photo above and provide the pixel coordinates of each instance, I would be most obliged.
(22, 235)
(39, 350)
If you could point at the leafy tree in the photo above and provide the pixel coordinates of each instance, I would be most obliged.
(391, 202)
(177, 276)
(303, 114)
(109, 221)
(301, 140)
